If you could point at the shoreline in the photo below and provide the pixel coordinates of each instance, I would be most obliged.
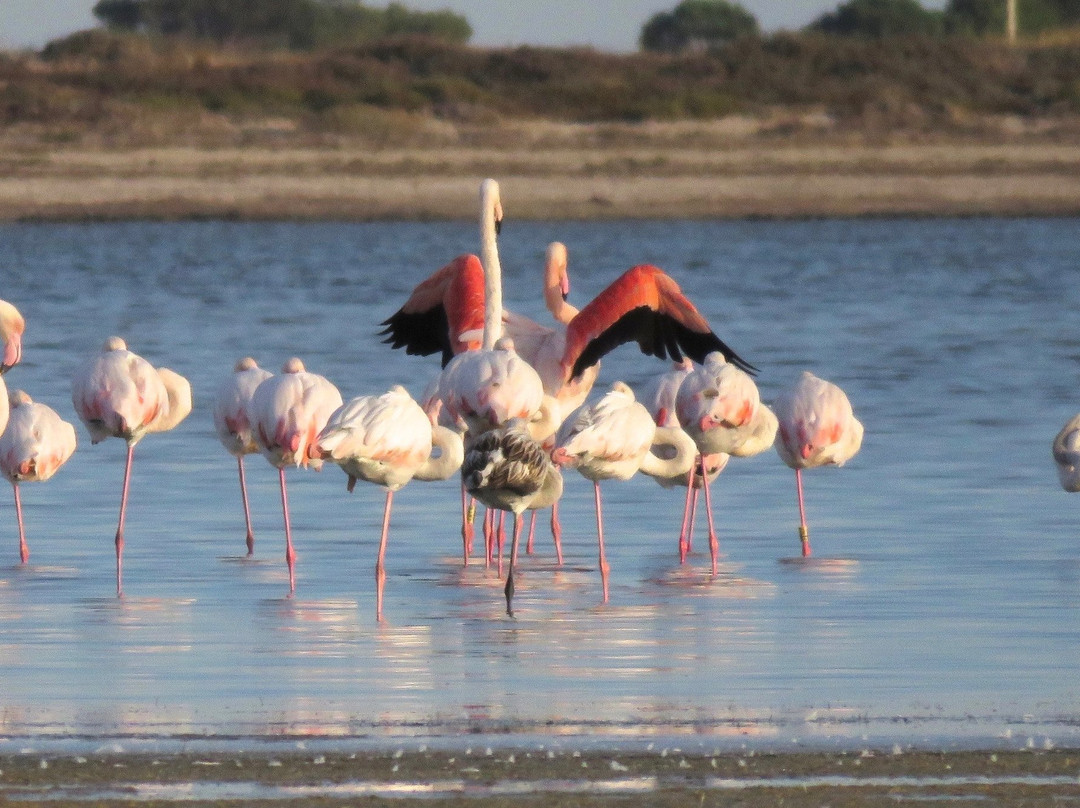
(479, 775)
(561, 183)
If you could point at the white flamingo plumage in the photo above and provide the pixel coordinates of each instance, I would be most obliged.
(119, 394)
(719, 407)
(287, 413)
(233, 427)
(36, 443)
(612, 439)
(817, 428)
(388, 440)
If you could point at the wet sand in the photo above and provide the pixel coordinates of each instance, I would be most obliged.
(649, 180)
(537, 777)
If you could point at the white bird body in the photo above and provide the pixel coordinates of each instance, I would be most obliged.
(231, 407)
(119, 394)
(1066, 450)
(388, 440)
(715, 403)
(613, 439)
(816, 424)
(488, 387)
(287, 414)
(36, 443)
(816, 428)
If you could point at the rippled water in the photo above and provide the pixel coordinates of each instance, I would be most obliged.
(943, 603)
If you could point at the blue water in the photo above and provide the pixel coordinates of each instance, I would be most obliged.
(942, 608)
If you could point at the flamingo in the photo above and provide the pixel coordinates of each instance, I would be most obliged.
(660, 399)
(612, 439)
(720, 408)
(12, 326)
(119, 394)
(644, 304)
(388, 440)
(234, 428)
(487, 386)
(35, 444)
(1066, 451)
(508, 470)
(287, 412)
(817, 428)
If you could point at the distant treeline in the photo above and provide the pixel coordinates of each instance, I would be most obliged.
(299, 24)
(901, 81)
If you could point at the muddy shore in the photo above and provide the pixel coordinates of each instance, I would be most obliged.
(661, 180)
(538, 777)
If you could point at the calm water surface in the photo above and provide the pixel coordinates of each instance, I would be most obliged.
(943, 603)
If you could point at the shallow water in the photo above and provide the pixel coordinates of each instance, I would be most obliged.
(941, 605)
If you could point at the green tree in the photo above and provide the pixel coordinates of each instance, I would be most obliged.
(880, 18)
(699, 24)
(292, 23)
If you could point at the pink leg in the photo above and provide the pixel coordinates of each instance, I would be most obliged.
(604, 568)
(489, 536)
(532, 533)
(120, 525)
(556, 532)
(684, 532)
(250, 538)
(693, 517)
(509, 588)
(501, 534)
(714, 545)
(804, 531)
(24, 551)
(380, 571)
(467, 513)
(290, 554)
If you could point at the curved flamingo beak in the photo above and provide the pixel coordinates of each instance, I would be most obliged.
(12, 353)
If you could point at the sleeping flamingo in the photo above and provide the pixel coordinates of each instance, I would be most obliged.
(720, 408)
(388, 440)
(12, 326)
(1066, 450)
(287, 413)
(506, 469)
(234, 428)
(119, 394)
(817, 428)
(35, 444)
(612, 439)
(660, 399)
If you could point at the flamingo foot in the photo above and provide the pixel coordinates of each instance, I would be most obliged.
(24, 552)
(250, 539)
(804, 537)
(605, 568)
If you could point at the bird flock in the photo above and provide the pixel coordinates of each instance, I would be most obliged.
(510, 409)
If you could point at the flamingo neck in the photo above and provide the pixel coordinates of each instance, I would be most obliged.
(556, 285)
(451, 453)
(490, 209)
(681, 461)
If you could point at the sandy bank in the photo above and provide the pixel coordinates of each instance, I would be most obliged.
(661, 181)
